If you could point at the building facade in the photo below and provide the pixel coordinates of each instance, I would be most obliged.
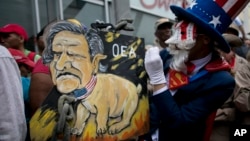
(33, 15)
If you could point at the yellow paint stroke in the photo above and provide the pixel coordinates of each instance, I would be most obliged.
(142, 74)
(140, 62)
(111, 36)
(133, 67)
(114, 67)
(42, 125)
(117, 58)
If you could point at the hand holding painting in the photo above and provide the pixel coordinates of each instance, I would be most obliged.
(154, 66)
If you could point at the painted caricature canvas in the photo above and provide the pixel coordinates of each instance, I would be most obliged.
(100, 88)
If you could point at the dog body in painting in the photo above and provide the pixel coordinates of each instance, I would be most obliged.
(112, 97)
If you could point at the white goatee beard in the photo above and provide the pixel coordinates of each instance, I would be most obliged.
(180, 51)
(179, 59)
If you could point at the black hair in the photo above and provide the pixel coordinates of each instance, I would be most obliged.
(40, 34)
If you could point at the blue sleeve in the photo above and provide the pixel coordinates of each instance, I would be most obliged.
(26, 87)
(199, 108)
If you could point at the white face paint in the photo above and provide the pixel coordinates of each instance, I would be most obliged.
(180, 44)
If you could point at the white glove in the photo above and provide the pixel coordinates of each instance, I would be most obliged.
(154, 66)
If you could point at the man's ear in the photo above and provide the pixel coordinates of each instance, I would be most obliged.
(96, 60)
(21, 39)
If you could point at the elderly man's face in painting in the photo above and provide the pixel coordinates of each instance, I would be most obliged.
(71, 67)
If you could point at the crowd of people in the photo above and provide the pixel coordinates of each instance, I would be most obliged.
(199, 82)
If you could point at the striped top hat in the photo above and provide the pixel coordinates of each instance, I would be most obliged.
(213, 16)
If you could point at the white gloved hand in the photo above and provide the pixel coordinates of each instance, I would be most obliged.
(154, 66)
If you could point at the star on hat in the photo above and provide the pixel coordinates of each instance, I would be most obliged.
(193, 4)
(215, 21)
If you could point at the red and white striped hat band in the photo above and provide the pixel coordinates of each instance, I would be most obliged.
(189, 30)
(184, 36)
(212, 16)
(232, 7)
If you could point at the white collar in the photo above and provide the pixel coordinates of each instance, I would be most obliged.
(200, 63)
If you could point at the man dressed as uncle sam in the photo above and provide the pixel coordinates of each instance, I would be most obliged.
(188, 91)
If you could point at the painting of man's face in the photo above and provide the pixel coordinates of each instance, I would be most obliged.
(71, 66)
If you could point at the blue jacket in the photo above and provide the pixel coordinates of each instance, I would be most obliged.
(183, 116)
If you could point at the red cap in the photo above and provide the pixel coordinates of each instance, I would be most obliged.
(21, 58)
(15, 28)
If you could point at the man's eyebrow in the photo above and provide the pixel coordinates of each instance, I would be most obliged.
(74, 44)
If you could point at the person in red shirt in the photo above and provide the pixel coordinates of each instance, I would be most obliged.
(15, 36)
